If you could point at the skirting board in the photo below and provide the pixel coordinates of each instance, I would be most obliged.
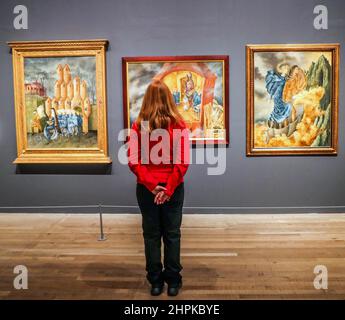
(187, 209)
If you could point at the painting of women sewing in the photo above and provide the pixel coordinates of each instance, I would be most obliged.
(293, 103)
(60, 102)
(198, 86)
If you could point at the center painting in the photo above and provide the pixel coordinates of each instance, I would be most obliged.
(199, 85)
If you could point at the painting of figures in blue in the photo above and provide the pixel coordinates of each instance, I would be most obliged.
(293, 99)
(60, 102)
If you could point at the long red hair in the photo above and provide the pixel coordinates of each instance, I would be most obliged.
(158, 107)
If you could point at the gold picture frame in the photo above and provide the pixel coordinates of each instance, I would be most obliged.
(42, 137)
(265, 135)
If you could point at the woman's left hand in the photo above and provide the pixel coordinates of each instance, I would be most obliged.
(161, 197)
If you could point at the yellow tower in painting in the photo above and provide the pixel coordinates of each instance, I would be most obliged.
(70, 90)
(67, 74)
(57, 91)
(59, 71)
(48, 106)
(70, 94)
(76, 100)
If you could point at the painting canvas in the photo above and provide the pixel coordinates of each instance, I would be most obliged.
(292, 99)
(199, 86)
(64, 104)
(60, 102)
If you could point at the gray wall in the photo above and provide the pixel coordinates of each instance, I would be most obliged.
(174, 27)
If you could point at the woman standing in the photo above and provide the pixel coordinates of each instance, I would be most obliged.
(159, 156)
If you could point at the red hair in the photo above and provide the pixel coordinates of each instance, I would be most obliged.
(158, 107)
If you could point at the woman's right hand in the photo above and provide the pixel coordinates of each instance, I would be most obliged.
(161, 197)
(157, 189)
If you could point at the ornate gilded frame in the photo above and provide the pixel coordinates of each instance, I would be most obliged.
(250, 51)
(21, 50)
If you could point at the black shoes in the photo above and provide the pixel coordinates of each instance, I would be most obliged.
(174, 281)
(157, 289)
(174, 289)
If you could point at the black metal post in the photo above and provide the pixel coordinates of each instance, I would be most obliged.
(102, 237)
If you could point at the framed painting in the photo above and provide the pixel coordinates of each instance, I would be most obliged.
(199, 85)
(60, 101)
(292, 99)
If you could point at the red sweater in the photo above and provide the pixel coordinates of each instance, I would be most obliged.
(168, 161)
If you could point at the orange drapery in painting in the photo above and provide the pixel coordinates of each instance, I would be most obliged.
(198, 68)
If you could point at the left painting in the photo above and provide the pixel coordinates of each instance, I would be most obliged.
(60, 101)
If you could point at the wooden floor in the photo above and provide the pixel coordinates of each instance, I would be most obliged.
(224, 256)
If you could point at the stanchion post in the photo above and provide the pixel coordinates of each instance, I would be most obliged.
(102, 237)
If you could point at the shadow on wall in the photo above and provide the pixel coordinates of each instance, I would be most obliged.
(82, 169)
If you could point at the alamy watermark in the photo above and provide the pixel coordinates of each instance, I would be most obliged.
(157, 146)
(321, 279)
(21, 19)
(321, 19)
(21, 281)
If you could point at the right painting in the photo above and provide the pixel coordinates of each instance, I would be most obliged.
(292, 99)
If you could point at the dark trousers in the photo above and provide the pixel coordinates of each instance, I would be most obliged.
(162, 221)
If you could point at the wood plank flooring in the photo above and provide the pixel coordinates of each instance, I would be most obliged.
(224, 256)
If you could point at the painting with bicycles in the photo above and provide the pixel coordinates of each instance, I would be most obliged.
(61, 112)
